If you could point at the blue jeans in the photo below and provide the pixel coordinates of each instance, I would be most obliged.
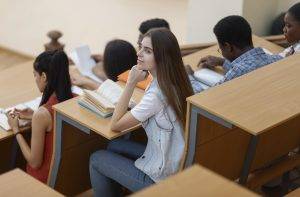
(115, 166)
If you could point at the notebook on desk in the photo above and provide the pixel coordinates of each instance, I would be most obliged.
(207, 77)
(33, 104)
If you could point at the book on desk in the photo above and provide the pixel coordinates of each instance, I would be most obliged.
(103, 100)
(33, 105)
(207, 77)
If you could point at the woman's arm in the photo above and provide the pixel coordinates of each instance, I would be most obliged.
(41, 123)
(121, 119)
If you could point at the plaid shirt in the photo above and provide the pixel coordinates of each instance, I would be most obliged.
(247, 62)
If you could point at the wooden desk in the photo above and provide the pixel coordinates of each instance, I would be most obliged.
(195, 181)
(17, 85)
(248, 122)
(17, 183)
(295, 193)
(78, 133)
(194, 58)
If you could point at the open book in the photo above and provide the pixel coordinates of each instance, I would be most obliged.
(33, 104)
(81, 56)
(103, 100)
(207, 77)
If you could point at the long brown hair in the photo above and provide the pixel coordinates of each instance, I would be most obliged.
(171, 75)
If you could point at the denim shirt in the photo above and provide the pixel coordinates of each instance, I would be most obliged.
(165, 144)
(247, 62)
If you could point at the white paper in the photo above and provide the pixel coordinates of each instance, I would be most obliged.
(77, 90)
(81, 56)
(267, 51)
(208, 77)
(110, 90)
(4, 121)
(33, 104)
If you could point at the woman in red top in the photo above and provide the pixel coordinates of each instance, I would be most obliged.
(51, 73)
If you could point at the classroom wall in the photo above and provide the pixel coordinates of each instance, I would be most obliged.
(284, 5)
(24, 24)
(202, 15)
(260, 14)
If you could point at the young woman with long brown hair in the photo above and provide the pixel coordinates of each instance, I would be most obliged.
(162, 113)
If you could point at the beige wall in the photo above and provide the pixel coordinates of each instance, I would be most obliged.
(284, 5)
(260, 14)
(24, 23)
(204, 14)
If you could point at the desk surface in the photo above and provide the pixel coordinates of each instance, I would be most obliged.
(259, 100)
(194, 58)
(72, 110)
(195, 181)
(18, 183)
(17, 85)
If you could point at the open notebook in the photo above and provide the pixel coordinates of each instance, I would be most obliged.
(33, 104)
(81, 56)
(103, 100)
(207, 77)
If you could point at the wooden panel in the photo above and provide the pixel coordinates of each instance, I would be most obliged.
(277, 142)
(18, 183)
(276, 101)
(209, 130)
(225, 154)
(195, 181)
(73, 137)
(73, 174)
(5, 152)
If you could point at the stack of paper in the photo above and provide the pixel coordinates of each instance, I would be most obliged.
(81, 56)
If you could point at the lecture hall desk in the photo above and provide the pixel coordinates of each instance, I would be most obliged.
(246, 123)
(78, 133)
(17, 183)
(193, 182)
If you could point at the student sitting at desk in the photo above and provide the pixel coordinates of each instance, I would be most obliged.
(51, 72)
(119, 56)
(162, 113)
(292, 30)
(234, 37)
